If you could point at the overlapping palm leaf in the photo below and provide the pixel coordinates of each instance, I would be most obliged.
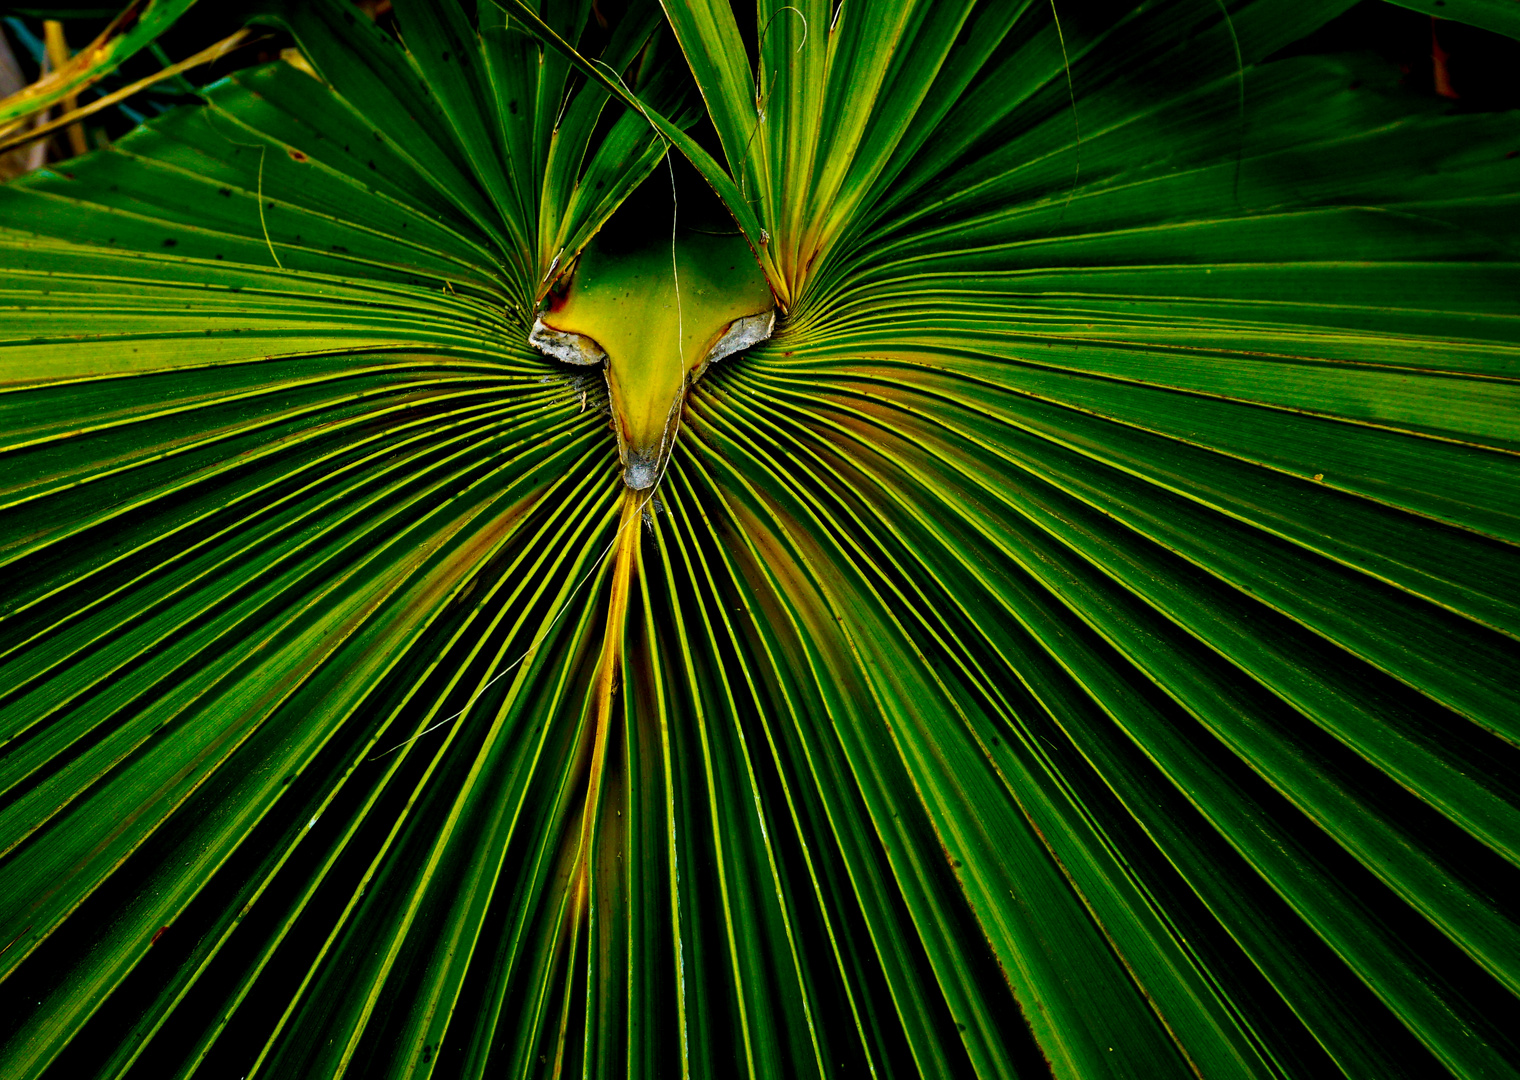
(133, 30)
(1080, 642)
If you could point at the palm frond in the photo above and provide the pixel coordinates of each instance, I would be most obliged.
(1492, 15)
(1078, 643)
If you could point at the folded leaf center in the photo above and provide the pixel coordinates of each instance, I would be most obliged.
(655, 314)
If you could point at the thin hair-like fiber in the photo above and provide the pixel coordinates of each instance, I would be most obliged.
(761, 97)
(1075, 123)
(666, 437)
(531, 649)
(1240, 78)
(262, 148)
(262, 223)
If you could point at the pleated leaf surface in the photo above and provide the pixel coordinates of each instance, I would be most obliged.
(1080, 643)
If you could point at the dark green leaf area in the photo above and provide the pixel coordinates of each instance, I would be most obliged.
(492, 123)
(288, 109)
(308, 597)
(1493, 15)
(953, 779)
(248, 203)
(952, 592)
(1316, 168)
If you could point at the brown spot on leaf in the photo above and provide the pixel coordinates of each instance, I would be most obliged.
(125, 21)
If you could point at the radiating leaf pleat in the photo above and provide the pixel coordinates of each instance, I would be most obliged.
(1078, 643)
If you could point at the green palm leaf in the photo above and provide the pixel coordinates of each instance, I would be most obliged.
(129, 33)
(1079, 642)
(1490, 14)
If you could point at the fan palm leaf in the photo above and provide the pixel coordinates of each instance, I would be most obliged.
(1079, 642)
